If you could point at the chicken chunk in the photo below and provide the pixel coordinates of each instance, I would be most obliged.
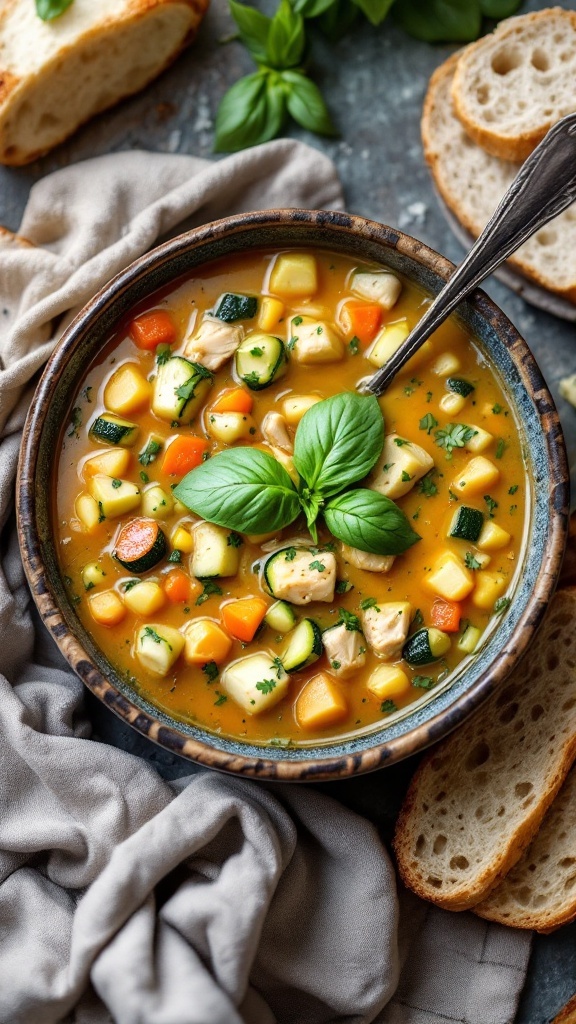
(214, 343)
(275, 431)
(386, 627)
(345, 649)
(314, 341)
(377, 286)
(299, 576)
(364, 560)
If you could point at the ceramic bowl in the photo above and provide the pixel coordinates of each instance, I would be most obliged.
(529, 399)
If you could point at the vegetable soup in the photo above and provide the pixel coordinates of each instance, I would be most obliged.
(259, 548)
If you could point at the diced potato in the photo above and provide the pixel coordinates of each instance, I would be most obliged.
(315, 341)
(479, 441)
(181, 540)
(205, 641)
(214, 343)
(215, 553)
(446, 365)
(489, 587)
(255, 682)
(294, 275)
(158, 647)
(345, 649)
(450, 578)
(156, 502)
(106, 608)
(92, 575)
(468, 642)
(287, 461)
(114, 496)
(113, 462)
(482, 558)
(229, 427)
(477, 476)
(127, 390)
(275, 431)
(145, 598)
(295, 406)
(87, 511)
(387, 341)
(452, 403)
(492, 537)
(270, 312)
(386, 627)
(388, 681)
(377, 286)
(321, 703)
(364, 560)
(401, 464)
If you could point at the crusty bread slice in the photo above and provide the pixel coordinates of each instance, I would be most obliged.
(567, 1014)
(472, 182)
(511, 86)
(478, 799)
(540, 890)
(55, 75)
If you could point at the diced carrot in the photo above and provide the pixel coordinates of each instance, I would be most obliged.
(242, 618)
(177, 586)
(446, 615)
(183, 454)
(362, 320)
(233, 400)
(151, 329)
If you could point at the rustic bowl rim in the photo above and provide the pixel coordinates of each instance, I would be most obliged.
(323, 765)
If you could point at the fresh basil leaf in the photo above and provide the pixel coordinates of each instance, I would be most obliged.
(50, 9)
(243, 489)
(499, 8)
(253, 27)
(370, 521)
(440, 21)
(311, 8)
(306, 105)
(338, 19)
(286, 38)
(375, 10)
(338, 441)
(252, 111)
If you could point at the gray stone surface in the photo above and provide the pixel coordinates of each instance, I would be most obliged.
(374, 81)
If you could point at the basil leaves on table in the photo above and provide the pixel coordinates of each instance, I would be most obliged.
(50, 9)
(338, 441)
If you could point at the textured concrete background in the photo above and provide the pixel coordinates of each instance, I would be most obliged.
(374, 82)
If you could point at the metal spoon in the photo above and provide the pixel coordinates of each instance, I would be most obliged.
(544, 186)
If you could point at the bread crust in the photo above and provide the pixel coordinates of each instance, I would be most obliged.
(514, 147)
(567, 1014)
(13, 88)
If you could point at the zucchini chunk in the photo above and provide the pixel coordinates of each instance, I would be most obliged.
(158, 647)
(460, 386)
(280, 617)
(466, 523)
(140, 545)
(215, 552)
(232, 307)
(345, 649)
(386, 626)
(114, 497)
(110, 429)
(179, 390)
(214, 343)
(298, 576)
(260, 359)
(400, 466)
(303, 646)
(468, 641)
(314, 341)
(425, 646)
(255, 682)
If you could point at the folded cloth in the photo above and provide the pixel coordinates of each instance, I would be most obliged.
(211, 900)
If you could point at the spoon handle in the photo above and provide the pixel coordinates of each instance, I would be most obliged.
(544, 186)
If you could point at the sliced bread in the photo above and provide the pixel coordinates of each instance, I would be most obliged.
(511, 86)
(567, 1014)
(478, 799)
(55, 75)
(472, 182)
(540, 890)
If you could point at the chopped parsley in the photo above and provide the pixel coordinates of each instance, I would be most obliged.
(491, 505)
(252, 378)
(116, 483)
(150, 632)
(278, 666)
(406, 478)
(129, 584)
(470, 562)
(234, 540)
(290, 554)
(428, 422)
(211, 671)
(497, 409)
(317, 565)
(513, 489)
(354, 345)
(209, 590)
(75, 422)
(454, 435)
(256, 351)
(348, 619)
(86, 394)
(150, 452)
(400, 441)
(500, 448)
(502, 605)
(369, 602)
(423, 682)
(335, 664)
(266, 685)
(101, 516)
(387, 707)
(297, 321)
(427, 485)
(343, 586)
(175, 556)
(163, 354)
(221, 698)
(144, 477)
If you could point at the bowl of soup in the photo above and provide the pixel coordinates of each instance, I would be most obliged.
(250, 559)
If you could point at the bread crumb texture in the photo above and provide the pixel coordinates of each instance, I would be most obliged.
(567, 1014)
(478, 799)
(55, 75)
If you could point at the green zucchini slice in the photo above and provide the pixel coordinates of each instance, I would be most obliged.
(180, 388)
(425, 646)
(232, 307)
(280, 617)
(260, 359)
(466, 523)
(112, 429)
(460, 386)
(303, 647)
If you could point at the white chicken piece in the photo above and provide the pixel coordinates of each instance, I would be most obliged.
(299, 576)
(386, 627)
(214, 343)
(367, 561)
(377, 286)
(400, 466)
(345, 649)
(314, 341)
(275, 431)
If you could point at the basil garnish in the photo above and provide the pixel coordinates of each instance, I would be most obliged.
(50, 9)
(369, 521)
(338, 442)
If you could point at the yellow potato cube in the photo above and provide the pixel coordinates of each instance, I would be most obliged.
(215, 554)
(92, 575)
(205, 641)
(270, 312)
(400, 466)
(229, 427)
(106, 608)
(294, 275)
(114, 496)
(181, 540)
(480, 440)
(113, 462)
(446, 365)
(145, 598)
(127, 390)
(389, 339)
(158, 647)
(388, 681)
(492, 537)
(477, 476)
(156, 502)
(295, 406)
(452, 403)
(449, 578)
(489, 587)
(87, 511)
(321, 703)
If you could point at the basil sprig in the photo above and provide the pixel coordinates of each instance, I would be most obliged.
(50, 9)
(338, 441)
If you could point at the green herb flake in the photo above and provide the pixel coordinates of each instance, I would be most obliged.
(278, 666)
(89, 586)
(343, 587)
(351, 621)
(86, 394)
(266, 686)
(290, 554)
(454, 435)
(317, 565)
(116, 483)
(428, 422)
(354, 346)
(163, 354)
(428, 396)
(297, 320)
(221, 698)
(129, 584)
(234, 540)
(209, 589)
(256, 351)
(211, 671)
(150, 632)
(471, 562)
(335, 664)
(369, 602)
(252, 378)
(175, 556)
(500, 447)
(513, 489)
(497, 409)
(406, 478)
(387, 707)
(427, 485)
(75, 422)
(423, 682)
(513, 509)
(101, 516)
(401, 441)
(144, 477)
(491, 505)
(150, 452)
(502, 605)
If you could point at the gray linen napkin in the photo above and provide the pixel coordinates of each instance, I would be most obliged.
(210, 900)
